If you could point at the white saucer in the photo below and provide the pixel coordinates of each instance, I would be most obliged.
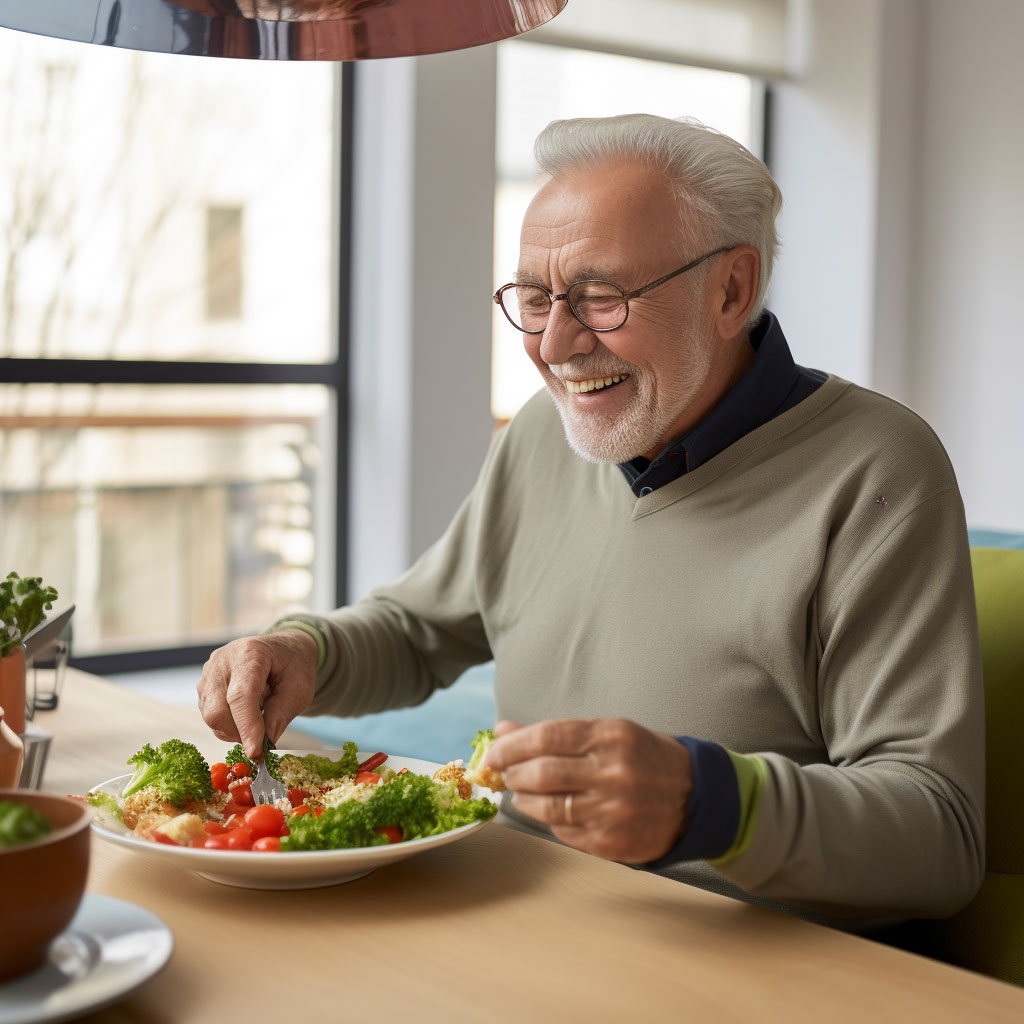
(109, 948)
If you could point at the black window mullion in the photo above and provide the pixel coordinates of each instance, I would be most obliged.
(154, 371)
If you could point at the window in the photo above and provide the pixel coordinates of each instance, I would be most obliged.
(172, 358)
(538, 83)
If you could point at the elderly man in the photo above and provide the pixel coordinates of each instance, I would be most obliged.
(732, 619)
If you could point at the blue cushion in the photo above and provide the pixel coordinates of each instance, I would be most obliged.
(994, 539)
(438, 730)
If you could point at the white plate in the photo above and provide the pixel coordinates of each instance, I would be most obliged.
(110, 948)
(308, 869)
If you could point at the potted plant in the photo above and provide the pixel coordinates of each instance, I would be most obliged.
(23, 605)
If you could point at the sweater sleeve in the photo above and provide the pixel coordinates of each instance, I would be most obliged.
(395, 647)
(893, 825)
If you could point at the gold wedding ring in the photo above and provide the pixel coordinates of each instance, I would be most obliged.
(567, 809)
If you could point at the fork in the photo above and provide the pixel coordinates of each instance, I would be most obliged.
(265, 788)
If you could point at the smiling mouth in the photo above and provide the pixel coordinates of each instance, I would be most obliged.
(580, 387)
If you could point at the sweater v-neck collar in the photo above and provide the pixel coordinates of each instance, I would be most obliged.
(720, 464)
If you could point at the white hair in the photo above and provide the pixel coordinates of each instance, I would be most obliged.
(717, 182)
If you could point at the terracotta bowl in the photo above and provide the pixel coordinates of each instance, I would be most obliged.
(42, 881)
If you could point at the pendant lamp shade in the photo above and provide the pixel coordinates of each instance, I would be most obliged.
(282, 29)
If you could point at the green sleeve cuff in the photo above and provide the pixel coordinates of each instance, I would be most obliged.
(751, 773)
(306, 627)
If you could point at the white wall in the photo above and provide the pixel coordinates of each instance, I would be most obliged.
(967, 360)
(898, 146)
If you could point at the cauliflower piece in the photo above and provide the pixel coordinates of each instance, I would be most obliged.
(486, 777)
(145, 801)
(454, 771)
(182, 828)
(150, 821)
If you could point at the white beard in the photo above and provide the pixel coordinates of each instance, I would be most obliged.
(643, 425)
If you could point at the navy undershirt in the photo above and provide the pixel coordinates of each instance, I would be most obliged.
(772, 383)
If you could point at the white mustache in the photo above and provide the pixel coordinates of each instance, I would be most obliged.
(574, 371)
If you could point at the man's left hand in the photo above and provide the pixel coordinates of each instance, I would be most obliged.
(606, 786)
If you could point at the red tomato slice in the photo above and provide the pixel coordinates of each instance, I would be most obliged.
(317, 811)
(219, 776)
(392, 833)
(162, 837)
(240, 770)
(301, 809)
(297, 796)
(373, 761)
(214, 828)
(267, 844)
(265, 820)
(371, 777)
(199, 842)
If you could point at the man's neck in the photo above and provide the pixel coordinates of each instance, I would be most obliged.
(720, 382)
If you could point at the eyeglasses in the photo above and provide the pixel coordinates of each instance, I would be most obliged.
(598, 305)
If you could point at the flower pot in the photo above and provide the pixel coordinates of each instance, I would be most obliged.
(12, 754)
(12, 688)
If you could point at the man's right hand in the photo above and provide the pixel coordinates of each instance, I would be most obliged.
(276, 671)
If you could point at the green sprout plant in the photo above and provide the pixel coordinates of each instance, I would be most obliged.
(23, 605)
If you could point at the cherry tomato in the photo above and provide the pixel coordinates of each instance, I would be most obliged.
(392, 833)
(242, 795)
(297, 796)
(371, 777)
(265, 820)
(301, 809)
(317, 811)
(240, 770)
(216, 842)
(214, 828)
(267, 844)
(239, 839)
(219, 776)
(199, 842)
(162, 837)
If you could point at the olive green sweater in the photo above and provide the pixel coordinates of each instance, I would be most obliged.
(805, 596)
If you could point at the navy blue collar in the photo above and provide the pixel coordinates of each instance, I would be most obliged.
(772, 383)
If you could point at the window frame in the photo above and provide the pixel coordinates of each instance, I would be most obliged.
(334, 375)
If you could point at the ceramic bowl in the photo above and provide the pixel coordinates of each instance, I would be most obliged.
(42, 881)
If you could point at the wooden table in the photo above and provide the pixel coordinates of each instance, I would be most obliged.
(498, 927)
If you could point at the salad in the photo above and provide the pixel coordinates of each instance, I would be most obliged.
(21, 824)
(175, 797)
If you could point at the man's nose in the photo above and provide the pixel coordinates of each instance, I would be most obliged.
(564, 336)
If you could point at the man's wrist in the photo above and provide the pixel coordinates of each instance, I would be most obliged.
(310, 630)
(712, 815)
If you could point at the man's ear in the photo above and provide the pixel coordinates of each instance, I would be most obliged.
(736, 279)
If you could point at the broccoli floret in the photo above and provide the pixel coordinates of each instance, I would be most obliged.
(481, 741)
(175, 769)
(415, 803)
(236, 754)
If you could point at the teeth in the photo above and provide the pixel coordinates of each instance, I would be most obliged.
(579, 387)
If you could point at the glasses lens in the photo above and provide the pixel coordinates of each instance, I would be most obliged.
(527, 306)
(598, 304)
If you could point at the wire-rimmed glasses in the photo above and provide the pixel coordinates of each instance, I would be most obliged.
(598, 305)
